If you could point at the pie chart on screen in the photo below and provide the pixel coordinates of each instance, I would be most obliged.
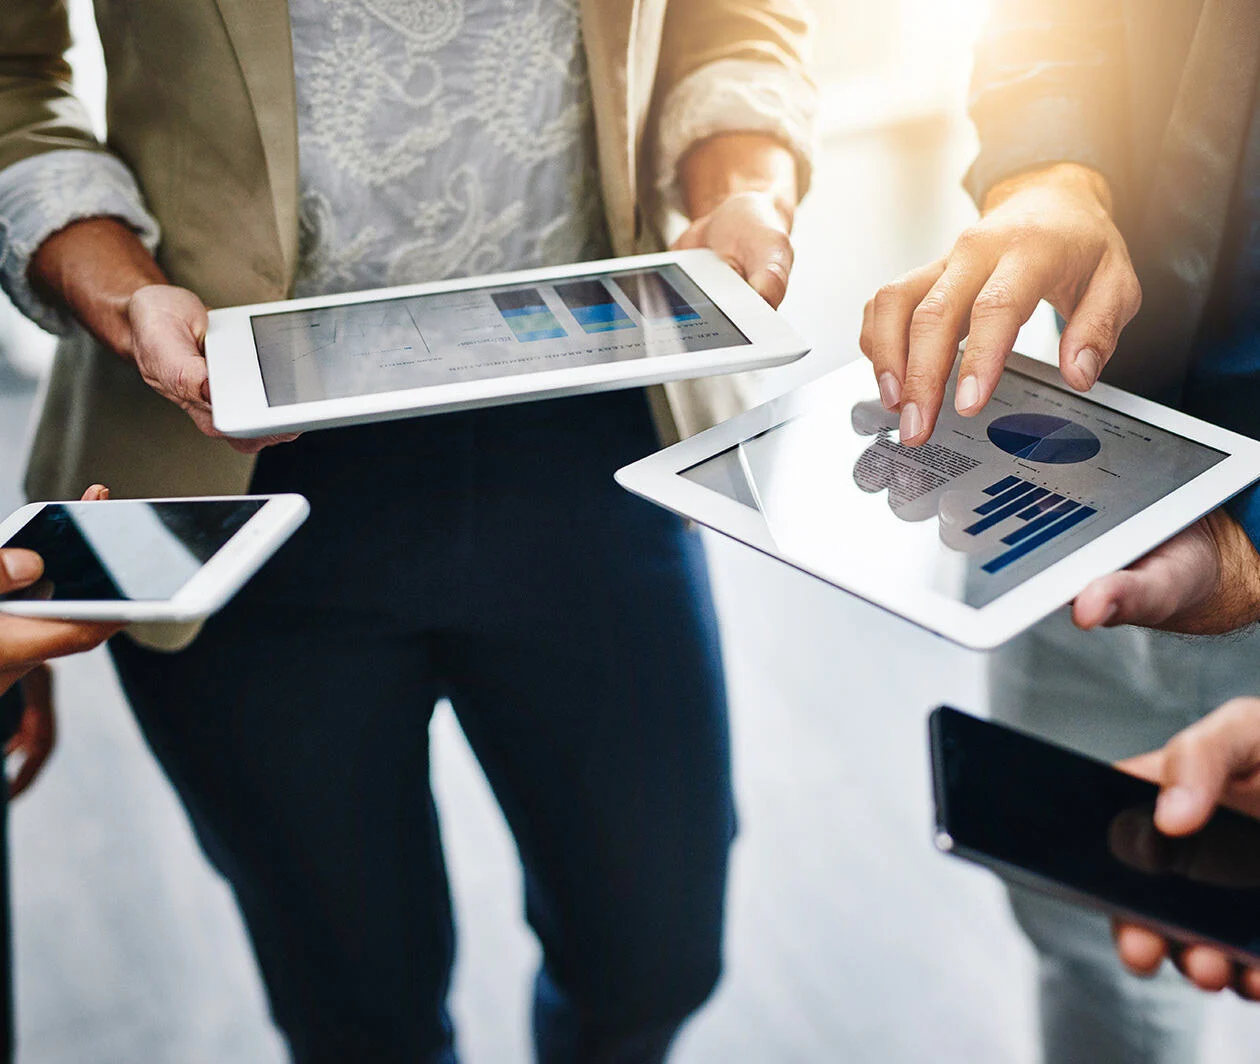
(1044, 438)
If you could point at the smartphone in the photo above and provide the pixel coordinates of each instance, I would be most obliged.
(146, 559)
(1078, 829)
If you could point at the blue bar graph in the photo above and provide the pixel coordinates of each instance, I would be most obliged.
(1033, 542)
(1048, 503)
(593, 306)
(998, 516)
(1045, 516)
(1006, 498)
(1065, 507)
(1002, 485)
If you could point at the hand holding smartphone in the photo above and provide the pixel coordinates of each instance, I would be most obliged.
(1079, 829)
(145, 560)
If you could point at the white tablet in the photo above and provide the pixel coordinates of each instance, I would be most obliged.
(146, 559)
(990, 526)
(424, 349)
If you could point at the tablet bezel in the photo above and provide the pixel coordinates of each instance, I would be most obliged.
(206, 591)
(239, 398)
(658, 478)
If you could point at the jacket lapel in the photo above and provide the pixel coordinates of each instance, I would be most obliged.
(608, 31)
(1183, 223)
(261, 37)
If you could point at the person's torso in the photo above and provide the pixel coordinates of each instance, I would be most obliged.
(441, 139)
(202, 107)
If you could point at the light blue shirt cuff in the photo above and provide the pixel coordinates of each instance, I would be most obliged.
(43, 194)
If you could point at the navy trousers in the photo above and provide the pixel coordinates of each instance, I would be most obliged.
(487, 557)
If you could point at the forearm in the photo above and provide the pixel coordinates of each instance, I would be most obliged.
(93, 268)
(729, 164)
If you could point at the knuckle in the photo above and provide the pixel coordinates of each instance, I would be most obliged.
(888, 298)
(971, 240)
(1246, 708)
(932, 313)
(1104, 331)
(1022, 232)
(1133, 293)
(995, 300)
(80, 640)
(1189, 745)
(921, 381)
(779, 241)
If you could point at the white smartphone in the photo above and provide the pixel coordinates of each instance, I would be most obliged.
(146, 559)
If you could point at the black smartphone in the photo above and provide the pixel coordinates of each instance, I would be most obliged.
(1078, 829)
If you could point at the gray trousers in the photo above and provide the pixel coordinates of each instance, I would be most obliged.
(1110, 694)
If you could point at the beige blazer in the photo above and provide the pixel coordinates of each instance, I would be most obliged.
(201, 108)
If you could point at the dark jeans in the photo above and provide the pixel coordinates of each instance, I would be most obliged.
(490, 558)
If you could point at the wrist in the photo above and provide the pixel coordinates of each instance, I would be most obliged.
(93, 267)
(1238, 583)
(1071, 179)
(733, 164)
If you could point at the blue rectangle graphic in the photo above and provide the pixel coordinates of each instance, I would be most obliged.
(998, 516)
(1033, 542)
(594, 307)
(1048, 503)
(1065, 507)
(1005, 484)
(1006, 498)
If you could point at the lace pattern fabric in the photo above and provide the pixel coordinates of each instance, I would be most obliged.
(441, 139)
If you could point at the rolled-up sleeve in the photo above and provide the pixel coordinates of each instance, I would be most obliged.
(1049, 87)
(732, 66)
(43, 194)
(735, 96)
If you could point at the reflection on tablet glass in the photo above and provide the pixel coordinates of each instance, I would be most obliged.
(128, 550)
(986, 504)
(478, 333)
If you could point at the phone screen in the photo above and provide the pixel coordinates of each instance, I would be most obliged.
(1004, 796)
(127, 551)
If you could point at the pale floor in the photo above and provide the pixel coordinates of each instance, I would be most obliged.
(850, 939)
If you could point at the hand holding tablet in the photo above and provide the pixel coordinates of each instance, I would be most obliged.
(978, 533)
(454, 345)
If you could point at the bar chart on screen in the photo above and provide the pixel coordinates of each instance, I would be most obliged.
(1033, 516)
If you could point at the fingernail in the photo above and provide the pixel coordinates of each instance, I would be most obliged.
(1088, 362)
(968, 394)
(23, 566)
(1112, 610)
(889, 391)
(1177, 804)
(911, 422)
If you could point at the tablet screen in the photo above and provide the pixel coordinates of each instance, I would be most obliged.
(123, 550)
(986, 504)
(455, 337)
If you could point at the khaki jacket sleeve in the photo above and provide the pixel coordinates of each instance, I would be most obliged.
(38, 110)
(731, 66)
